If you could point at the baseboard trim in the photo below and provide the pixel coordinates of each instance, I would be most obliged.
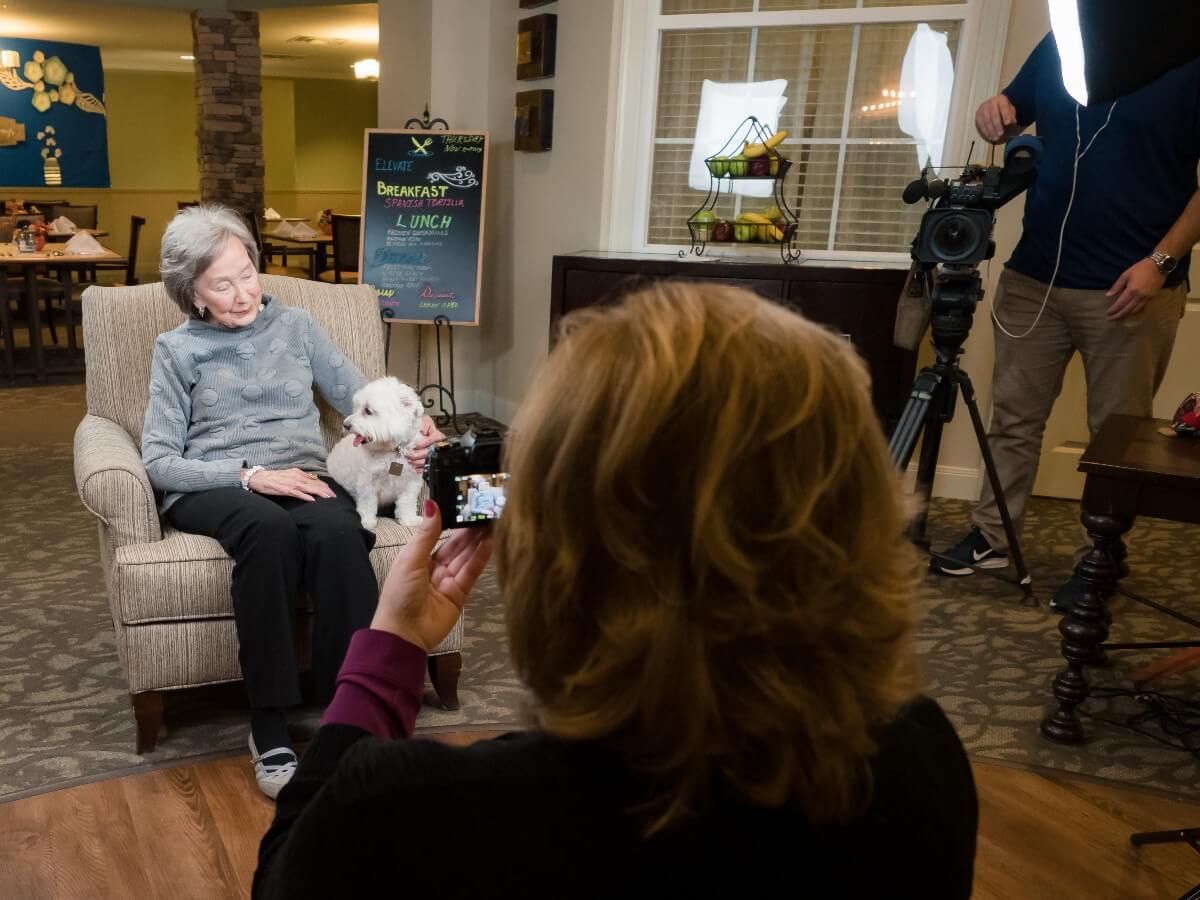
(950, 482)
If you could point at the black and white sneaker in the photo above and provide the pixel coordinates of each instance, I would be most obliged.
(971, 553)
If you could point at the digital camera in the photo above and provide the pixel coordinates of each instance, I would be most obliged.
(464, 478)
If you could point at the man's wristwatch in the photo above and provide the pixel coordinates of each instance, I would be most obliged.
(1165, 261)
(247, 474)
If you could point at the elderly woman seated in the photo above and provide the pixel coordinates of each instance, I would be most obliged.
(232, 438)
(719, 650)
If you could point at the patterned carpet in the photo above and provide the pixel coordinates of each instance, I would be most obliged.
(64, 712)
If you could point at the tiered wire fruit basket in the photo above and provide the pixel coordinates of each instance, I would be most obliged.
(755, 157)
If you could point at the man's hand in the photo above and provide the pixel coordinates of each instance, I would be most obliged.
(420, 448)
(1134, 288)
(423, 596)
(996, 120)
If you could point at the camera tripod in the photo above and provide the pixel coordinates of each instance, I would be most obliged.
(955, 294)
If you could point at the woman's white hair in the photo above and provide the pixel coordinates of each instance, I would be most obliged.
(193, 239)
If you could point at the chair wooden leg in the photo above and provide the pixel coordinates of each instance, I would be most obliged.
(50, 321)
(148, 711)
(443, 672)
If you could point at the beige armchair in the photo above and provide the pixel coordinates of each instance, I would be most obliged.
(168, 590)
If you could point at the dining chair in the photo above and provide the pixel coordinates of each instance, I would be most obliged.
(83, 216)
(345, 251)
(72, 299)
(130, 266)
(267, 251)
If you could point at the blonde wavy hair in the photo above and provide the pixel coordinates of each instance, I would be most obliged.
(703, 556)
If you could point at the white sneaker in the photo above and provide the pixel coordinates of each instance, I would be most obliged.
(271, 779)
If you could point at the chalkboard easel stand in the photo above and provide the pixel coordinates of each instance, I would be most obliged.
(445, 417)
(425, 123)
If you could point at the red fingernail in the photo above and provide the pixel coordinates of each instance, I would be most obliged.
(429, 509)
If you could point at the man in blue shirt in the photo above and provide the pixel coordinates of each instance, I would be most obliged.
(1100, 268)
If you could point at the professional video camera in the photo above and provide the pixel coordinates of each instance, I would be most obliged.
(956, 235)
(465, 480)
(957, 228)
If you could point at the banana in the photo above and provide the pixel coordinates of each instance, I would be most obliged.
(774, 231)
(753, 150)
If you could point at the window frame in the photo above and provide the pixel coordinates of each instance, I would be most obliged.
(983, 31)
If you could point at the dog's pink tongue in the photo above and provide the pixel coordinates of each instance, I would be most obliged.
(358, 439)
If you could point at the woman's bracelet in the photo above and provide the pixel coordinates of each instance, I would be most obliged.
(247, 474)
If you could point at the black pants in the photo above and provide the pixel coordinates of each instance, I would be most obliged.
(280, 545)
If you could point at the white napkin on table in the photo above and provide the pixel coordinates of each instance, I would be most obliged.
(284, 229)
(270, 215)
(63, 225)
(304, 231)
(83, 244)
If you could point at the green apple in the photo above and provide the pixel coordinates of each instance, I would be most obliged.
(719, 166)
(738, 166)
(744, 231)
(704, 217)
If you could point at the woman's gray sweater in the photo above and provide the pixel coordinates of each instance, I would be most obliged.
(222, 399)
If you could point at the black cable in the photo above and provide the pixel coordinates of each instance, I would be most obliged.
(1165, 719)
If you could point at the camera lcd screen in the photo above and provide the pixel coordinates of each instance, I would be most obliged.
(479, 498)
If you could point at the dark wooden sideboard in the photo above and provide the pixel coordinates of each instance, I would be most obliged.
(857, 301)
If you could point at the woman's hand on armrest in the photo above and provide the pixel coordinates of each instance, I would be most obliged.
(423, 595)
(290, 483)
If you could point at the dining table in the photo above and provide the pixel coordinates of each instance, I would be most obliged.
(56, 237)
(56, 262)
(320, 244)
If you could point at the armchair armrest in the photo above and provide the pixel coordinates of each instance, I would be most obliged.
(112, 482)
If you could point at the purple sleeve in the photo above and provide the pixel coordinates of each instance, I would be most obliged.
(379, 686)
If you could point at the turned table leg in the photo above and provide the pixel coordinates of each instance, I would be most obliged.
(1085, 628)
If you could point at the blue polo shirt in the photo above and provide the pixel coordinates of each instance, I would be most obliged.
(1133, 184)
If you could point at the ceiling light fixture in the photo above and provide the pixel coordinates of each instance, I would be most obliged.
(10, 59)
(366, 68)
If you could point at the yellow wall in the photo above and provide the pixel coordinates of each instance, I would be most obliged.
(151, 130)
(312, 148)
(279, 135)
(330, 118)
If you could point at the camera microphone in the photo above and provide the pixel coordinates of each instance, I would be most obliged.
(936, 189)
(916, 191)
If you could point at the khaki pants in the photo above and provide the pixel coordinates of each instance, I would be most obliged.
(1124, 363)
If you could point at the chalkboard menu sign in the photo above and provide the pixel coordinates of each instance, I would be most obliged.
(422, 227)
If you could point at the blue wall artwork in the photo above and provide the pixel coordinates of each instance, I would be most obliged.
(53, 123)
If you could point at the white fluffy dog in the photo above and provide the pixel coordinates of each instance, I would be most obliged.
(385, 422)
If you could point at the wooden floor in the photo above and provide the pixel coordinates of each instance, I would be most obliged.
(192, 831)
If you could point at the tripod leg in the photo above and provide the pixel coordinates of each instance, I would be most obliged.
(931, 444)
(912, 419)
(989, 464)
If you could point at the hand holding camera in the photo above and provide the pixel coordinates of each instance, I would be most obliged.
(423, 594)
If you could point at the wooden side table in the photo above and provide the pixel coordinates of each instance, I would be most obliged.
(1132, 470)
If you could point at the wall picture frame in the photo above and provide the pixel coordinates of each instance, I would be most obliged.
(533, 121)
(537, 40)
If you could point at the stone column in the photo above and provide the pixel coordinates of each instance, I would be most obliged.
(229, 108)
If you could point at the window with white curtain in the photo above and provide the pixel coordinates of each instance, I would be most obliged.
(869, 88)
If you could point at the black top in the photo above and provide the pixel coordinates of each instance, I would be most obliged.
(1133, 184)
(530, 815)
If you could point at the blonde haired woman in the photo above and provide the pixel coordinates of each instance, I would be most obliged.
(719, 652)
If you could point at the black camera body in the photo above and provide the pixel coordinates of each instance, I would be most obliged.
(957, 228)
(465, 480)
